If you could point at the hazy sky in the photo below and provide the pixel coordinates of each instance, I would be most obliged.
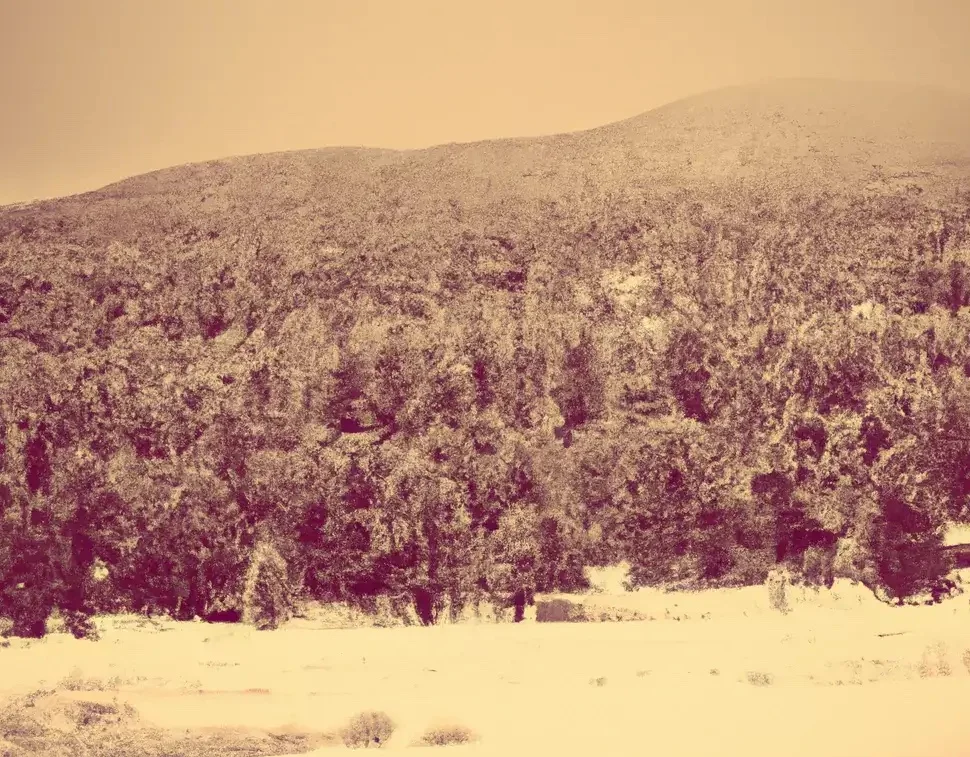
(93, 91)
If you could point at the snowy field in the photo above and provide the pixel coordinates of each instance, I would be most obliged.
(714, 673)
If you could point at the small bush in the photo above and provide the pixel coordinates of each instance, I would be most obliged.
(601, 681)
(98, 714)
(751, 566)
(368, 729)
(907, 549)
(756, 678)
(818, 567)
(81, 626)
(966, 659)
(29, 620)
(267, 596)
(446, 736)
(559, 611)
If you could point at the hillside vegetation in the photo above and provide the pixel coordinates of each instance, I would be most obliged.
(725, 335)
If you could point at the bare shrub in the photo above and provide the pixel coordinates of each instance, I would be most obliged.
(57, 725)
(933, 662)
(777, 584)
(368, 729)
(75, 681)
(44, 722)
(446, 736)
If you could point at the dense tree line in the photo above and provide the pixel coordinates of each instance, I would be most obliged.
(437, 410)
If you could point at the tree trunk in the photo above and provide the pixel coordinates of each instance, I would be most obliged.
(519, 601)
(424, 606)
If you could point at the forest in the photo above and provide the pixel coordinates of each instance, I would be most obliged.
(445, 407)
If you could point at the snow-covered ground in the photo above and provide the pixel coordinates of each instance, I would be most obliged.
(840, 674)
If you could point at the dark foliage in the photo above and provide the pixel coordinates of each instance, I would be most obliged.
(439, 398)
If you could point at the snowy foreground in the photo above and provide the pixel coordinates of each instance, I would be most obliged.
(840, 674)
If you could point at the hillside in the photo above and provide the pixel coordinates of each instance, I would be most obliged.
(727, 335)
(785, 135)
